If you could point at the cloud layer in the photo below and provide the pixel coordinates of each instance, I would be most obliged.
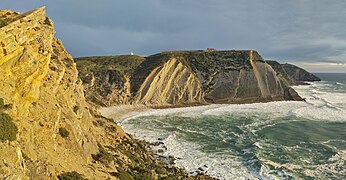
(300, 31)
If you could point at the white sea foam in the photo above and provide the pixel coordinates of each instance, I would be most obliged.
(323, 105)
(190, 158)
(320, 105)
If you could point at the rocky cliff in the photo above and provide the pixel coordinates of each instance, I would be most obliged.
(199, 77)
(40, 81)
(299, 74)
(107, 79)
(47, 130)
(281, 73)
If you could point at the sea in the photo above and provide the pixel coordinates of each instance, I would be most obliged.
(275, 140)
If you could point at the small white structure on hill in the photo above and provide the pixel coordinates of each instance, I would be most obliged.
(132, 53)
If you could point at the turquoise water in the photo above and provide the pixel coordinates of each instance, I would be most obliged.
(276, 140)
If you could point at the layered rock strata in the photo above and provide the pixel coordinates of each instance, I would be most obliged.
(299, 74)
(200, 77)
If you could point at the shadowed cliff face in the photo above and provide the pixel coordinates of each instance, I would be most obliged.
(299, 74)
(281, 73)
(106, 79)
(199, 77)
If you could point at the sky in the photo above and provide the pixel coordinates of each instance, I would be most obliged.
(307, 33)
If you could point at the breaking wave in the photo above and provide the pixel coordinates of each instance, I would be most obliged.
(276, 140)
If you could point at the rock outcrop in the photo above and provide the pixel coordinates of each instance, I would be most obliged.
(106, 79)
(170, 83)
(40, 80)
(281, 73)
(199, 77)
(221, 77)
(47, 130)
(299, 74)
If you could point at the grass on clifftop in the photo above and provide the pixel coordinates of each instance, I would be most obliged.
(124, 64)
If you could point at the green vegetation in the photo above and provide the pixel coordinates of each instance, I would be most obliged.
(141, 164)
(108, 75)
(64, 132)
(8, 130)
(6, 19)
(122, 175)
(2, 103)
(3, 23)
(71, 176)
(123, 64)
(103, 156)
(4, 106)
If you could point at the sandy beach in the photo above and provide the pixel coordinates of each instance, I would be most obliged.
(122, 111)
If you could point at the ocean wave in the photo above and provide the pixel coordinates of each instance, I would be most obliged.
(236, 126)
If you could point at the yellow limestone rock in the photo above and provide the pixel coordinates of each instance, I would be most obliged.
(39, 78)
(171, 83)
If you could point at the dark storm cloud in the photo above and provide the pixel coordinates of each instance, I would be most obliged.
(295, 30)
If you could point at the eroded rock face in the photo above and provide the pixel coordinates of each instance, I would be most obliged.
(170, 83)
(40, 80)
(219, 77)
(106, 79)
(199, 77)
(299, 74)
(281, 73)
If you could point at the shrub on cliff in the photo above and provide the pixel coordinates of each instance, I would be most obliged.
(8, 130)
(4, 106)
(3, 23)
(122, 175)
(64, 132)
(71, 176)
(103, 156)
